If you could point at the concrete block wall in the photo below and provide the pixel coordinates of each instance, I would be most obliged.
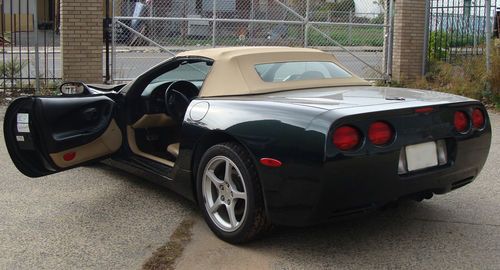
(82, 40)
(409, 32)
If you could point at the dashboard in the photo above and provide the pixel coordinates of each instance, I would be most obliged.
(153, 96)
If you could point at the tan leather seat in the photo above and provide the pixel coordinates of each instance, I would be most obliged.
(174, 149)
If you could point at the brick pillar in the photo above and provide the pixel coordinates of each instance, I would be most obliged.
(409, 32)
(82, 40)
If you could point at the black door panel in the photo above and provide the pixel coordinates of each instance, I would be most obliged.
(70, 122)
(37, 127)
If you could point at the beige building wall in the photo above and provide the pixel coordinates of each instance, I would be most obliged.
(82, 40)
(409, 31)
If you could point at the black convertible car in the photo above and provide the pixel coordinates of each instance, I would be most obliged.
(259, 136)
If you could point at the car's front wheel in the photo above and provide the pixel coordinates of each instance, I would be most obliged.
(230, 195)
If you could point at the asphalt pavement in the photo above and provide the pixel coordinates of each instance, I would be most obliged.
(101, 218)
(87, 218)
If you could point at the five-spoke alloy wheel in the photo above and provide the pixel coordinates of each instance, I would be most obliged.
(230, 195)
(224, 193)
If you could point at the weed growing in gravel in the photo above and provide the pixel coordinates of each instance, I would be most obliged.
(165, 256)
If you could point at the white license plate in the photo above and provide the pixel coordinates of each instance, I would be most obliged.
(421, 156)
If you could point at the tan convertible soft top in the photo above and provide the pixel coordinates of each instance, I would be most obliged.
(234, 73)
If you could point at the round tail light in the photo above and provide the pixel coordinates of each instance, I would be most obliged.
(461, 121)
(380, 133)
(346, 138)
(477, 118)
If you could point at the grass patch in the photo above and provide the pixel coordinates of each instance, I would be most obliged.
(164, 257)
(293, 35)
(348, 35)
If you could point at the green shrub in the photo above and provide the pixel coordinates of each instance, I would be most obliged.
(441, 42)
(12, 69)
(438, 45)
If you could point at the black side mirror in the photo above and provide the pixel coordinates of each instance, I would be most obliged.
(74, 89)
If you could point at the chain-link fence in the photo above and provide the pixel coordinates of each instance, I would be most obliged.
(148, 32)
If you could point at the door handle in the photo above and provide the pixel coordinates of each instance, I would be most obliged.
(89, 114)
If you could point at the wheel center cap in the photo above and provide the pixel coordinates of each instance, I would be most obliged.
(225, 193)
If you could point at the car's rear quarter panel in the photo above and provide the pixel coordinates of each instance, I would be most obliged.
(266, 129)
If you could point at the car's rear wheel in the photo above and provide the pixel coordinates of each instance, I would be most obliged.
(230, 195)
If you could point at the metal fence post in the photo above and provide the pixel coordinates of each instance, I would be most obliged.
(306, 24)
(349, 39)
(426, 37)
(113, 42)
(252, 17)
(488, 35)
(386, 35)
(107, 33)
(214, 19)
(391, 41)
(151, 12)
(37, 51)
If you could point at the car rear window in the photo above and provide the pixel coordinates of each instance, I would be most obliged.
(300, 71)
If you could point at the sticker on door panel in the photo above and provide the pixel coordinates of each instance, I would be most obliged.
(23, 118)
(23, 128)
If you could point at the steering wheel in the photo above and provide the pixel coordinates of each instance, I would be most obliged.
(177, 98)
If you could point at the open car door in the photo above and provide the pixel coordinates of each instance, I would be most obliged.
(45, 135)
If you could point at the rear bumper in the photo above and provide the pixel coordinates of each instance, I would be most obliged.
(310, 194)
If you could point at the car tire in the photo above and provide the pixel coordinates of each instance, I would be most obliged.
(227, 179)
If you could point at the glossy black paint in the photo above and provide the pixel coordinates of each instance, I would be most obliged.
(317, 182)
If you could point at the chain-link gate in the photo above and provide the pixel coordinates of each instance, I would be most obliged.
(144, 33)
